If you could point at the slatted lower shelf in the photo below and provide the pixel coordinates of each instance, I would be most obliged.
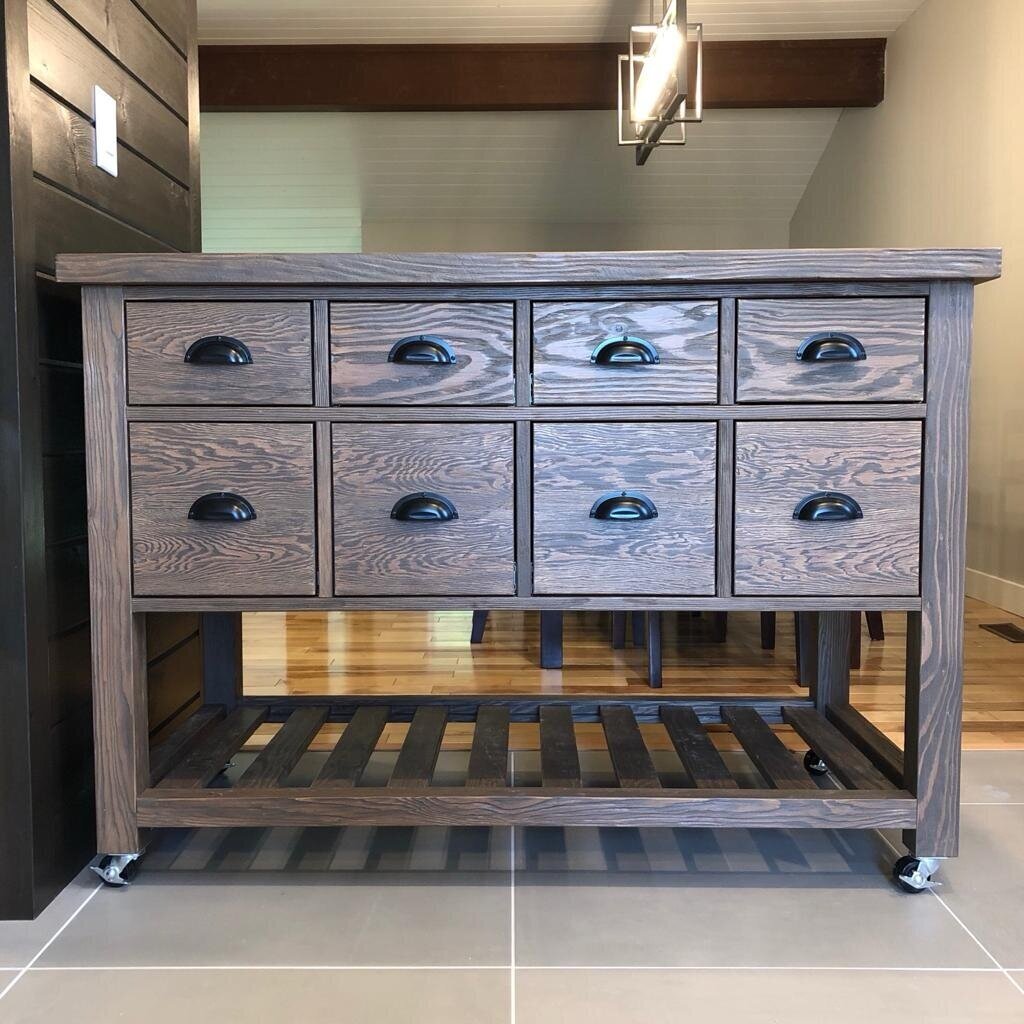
(189, 787)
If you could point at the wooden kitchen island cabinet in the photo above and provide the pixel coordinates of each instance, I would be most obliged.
(761, 430)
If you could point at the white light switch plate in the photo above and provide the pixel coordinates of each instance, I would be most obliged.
(104, 112)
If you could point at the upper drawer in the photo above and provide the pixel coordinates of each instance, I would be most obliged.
(625, 352)
(219, 353)
(830, 350)
(422, 353)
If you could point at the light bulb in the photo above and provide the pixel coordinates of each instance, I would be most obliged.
(659, 68)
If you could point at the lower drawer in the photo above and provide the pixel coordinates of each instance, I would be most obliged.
(222, 509)
(624, 508)
(828, 508)
(423, 509)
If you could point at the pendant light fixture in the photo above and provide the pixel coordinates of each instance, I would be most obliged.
(654, 82)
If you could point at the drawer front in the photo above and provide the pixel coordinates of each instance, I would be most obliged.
(579, 468)
(258, 353)
(269, 466)
(600, 353)
(830, 350)
(382, 546)
(422, 353)
(779, 465)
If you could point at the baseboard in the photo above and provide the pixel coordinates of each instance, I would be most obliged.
(1005, 594)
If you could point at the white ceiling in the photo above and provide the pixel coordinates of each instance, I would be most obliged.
(508, 21)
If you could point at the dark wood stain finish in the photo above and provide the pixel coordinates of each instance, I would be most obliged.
(630, 757)
(479, 333)
(276, 760)
(416, 759)
(488, 757)
(844, 760)
(780, 768)
(351, 754)
(559, 757)
(208, 758)
(699, 756)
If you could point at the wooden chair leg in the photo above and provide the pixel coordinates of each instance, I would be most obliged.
(854, 639)
(550, 639)
(476, 635)
(719, 626)
(654, 649)
(618, 630)
(807, 648)
(767, 631)
(637, 619)
(876, 630)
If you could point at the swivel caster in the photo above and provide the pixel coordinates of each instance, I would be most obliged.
(814, 764)
(118, 870)
(914, 874)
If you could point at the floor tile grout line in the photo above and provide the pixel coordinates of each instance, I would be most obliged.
(46, 945)
(949, 910)
(346, 968)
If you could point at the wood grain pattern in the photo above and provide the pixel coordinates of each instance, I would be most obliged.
(270, 465)
(565, 334)
(771, 331)
(164, 756)
(351, 754)
(844, 760)
(416, 759)
(832, 679)
(63, 144)
(488, 757)
(68, 63)
(575, 464)
(631, 759)
(120, 713)
(698, 754)
(934, 710)
(276, 760)
(125, 32)
(278, 334)
(207, 759)
(613, 808)
(559, 758)
(778, 766)
(558, 268)
(869, 740)
(173, 18)
(470, 464)
(724, 507)
(480, 333)
(876, 463)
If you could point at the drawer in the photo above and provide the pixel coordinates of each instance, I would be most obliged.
(582, 541)
(830, 350)
(182, 545)
(219, 353)
(422, 353)
(423, 509)
(601, 353)
(779, 466)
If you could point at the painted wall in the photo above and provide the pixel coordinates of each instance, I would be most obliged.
(940, 163)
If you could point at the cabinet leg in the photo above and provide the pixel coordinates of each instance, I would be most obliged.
(767, 631)
(654, 649)
(476, 635)
(221, 634)
(618, 630)
(550, 639)
(832, 682)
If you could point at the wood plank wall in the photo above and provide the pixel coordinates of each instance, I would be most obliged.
(142, 52)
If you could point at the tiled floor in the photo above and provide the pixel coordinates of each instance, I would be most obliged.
(538, 926)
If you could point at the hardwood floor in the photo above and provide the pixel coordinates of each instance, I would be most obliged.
(429, 652)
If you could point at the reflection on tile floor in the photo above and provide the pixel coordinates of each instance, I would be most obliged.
(600, 925)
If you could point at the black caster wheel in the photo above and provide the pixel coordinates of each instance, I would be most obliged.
(913, 874)
(814, 764)
(117, 871)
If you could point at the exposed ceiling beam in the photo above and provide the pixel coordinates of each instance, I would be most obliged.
(580, 76)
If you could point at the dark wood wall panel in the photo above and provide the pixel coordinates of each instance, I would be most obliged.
(141, 196)
(174, 19)
(68, 63)
(62, 221)
(124, 31)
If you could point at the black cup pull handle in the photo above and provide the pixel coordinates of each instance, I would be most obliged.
(625, 351)
(624, 506)
(424, 507)
(218, 350)
(426, 349)
(831, 347)
(222, 507)
(827, 507)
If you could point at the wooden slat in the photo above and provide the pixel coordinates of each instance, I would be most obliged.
(698, 754)
(630, 756)
(869, 740)
(779, 766)
(351, 754)
(416, 759)
(207, 759)
(141, 196)
(276, 760)
(164, 756)
(68, 63)
(559, 758)
(533, 76)
(128, 36)
(488, 758)
(844, 760)
(172, 17)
